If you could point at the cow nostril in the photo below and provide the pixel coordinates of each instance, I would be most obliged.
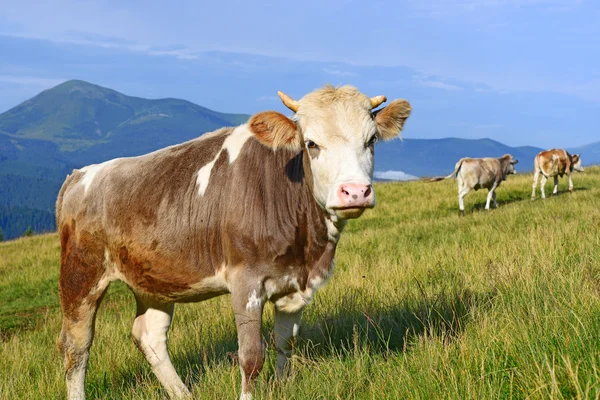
(368, 192)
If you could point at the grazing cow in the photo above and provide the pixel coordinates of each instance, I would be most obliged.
(554, 163)
(477, 173)
(255, 211)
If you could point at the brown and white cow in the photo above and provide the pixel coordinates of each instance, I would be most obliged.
(554, 163)
(255, 211)
(477, 173)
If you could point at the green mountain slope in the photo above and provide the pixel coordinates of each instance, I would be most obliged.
(78, 115)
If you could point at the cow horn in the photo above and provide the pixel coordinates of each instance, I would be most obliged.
(288, 101)
(377, 100)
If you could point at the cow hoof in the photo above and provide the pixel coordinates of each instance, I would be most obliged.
(461, 213)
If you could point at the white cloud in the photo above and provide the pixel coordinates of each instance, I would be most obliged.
(439, 85)
(338, 72)
(394, 176)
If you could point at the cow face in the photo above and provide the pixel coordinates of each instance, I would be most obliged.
(576, 163)
(508, 162)
(338, 129)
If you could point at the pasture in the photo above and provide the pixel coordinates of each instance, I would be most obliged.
(422, 305)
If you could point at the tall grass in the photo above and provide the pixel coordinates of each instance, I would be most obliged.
(423, 304)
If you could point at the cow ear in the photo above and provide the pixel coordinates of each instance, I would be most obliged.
(390, 120)
(275, 131)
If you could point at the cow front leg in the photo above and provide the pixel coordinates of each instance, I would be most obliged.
(149, 333)
(286, 329)
(490, 194)
(494, 199)
(248, 304)
(570, 184)
(542, 185)
(555, 190)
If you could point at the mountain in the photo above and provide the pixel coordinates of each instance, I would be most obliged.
(428, 157)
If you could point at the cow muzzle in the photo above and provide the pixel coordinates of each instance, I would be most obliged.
(352, 199)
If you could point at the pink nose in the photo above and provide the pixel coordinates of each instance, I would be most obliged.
(355, 195)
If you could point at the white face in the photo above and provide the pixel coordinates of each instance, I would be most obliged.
(340, 146)
(577, 166)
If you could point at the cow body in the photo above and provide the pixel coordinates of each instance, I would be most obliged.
(478, 173)
(554, 163)
(235, 211)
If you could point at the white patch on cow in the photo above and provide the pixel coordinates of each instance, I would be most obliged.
(253, 302)
(233, 144)
(216, 283)
(90, 173)
(204, 175)
(235, 141)
(334, 227)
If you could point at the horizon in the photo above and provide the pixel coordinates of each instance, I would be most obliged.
(471, 69)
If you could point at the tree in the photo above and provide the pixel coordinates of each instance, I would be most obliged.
(28, 232)
(1, 235)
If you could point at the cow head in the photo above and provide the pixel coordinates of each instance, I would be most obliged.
(576, 163)
(338, 129)
(509, 164)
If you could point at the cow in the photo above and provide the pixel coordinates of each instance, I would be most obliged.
(477, 173)
(255, 211)
(554, 163)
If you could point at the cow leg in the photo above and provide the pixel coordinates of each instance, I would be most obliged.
(570, 184)
(494, 198)
(82, 285)
(149, 334)
(536, 175)
(248, 303)
(286, 329)
(491, 193)
(555, 190)
(462, 192)
(542, 184)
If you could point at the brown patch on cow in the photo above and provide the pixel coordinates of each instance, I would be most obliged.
(275, 131)
(81, 268)
(390, 120)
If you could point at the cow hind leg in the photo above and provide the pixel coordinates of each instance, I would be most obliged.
(536, 175)
(150, 336)
(542, 185)
(494, 199)
(82, 286)
(462, 192)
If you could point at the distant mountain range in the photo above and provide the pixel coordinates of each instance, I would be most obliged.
(77, 123)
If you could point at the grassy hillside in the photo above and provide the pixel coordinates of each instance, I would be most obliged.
(423, 304)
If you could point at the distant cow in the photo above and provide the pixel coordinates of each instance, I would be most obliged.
(255, 211)
(554, 163)
(477, 173)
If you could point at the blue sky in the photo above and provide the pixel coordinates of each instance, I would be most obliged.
(523, 72)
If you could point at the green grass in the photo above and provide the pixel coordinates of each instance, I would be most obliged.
(423, 305)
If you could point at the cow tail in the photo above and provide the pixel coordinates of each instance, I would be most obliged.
(452, 175)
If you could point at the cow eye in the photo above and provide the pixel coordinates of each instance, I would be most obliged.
(372, 141)
(311, 145)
